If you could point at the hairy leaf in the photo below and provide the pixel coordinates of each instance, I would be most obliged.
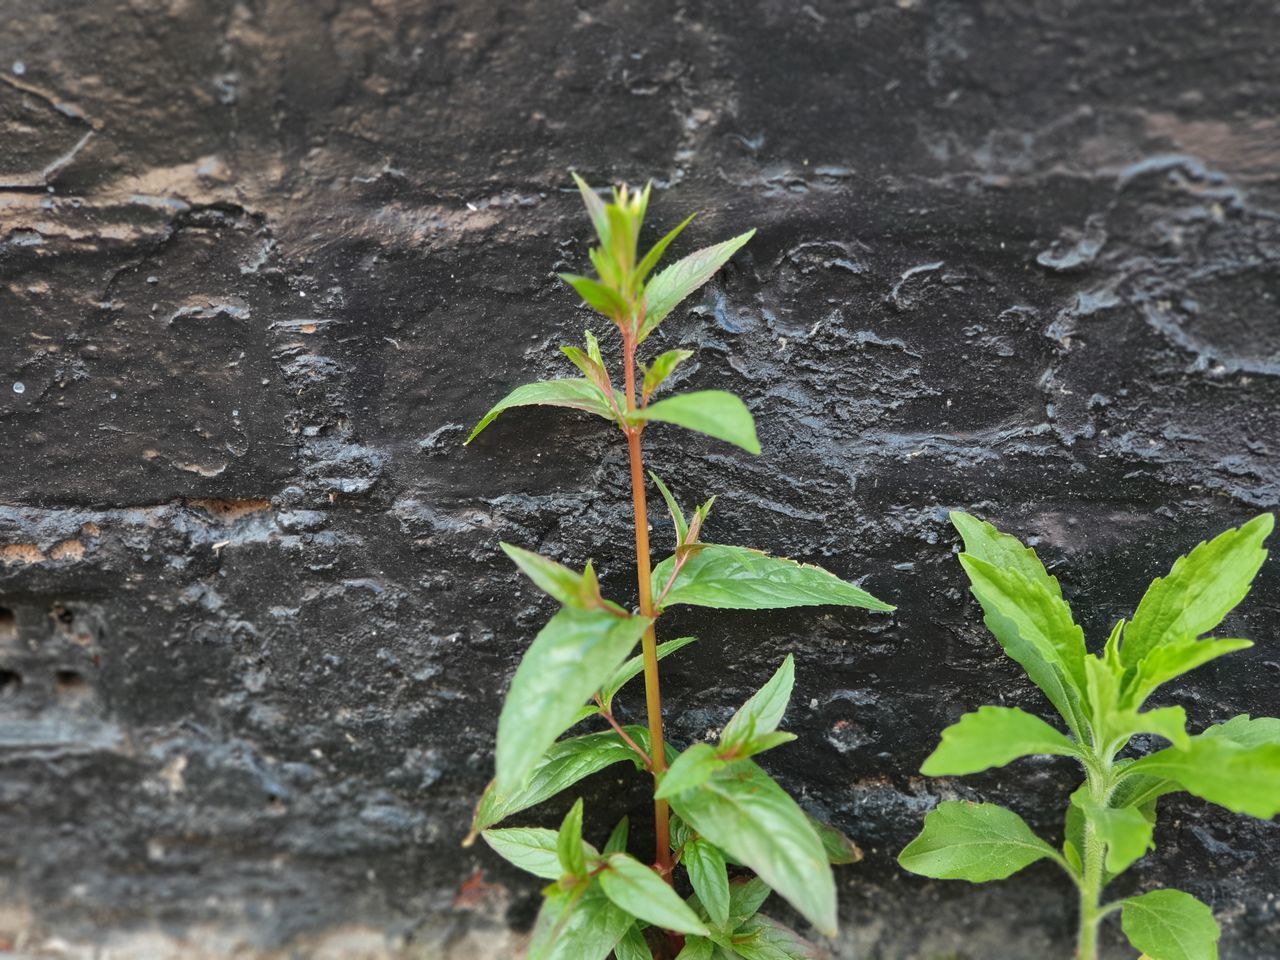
(569, 660)
(530, 848)
(763, 712)
(1170, 925)
(566, 763)
(668, 288)
(1244, 779)
(973, 841)
(1125, 830)
(736, 578)
(743, 812)
(717, 413)
(984, 541)
(992, 737)
(1199, 591)
(1173, 659)
(643, 894)
(1036, 629)
(577, 394)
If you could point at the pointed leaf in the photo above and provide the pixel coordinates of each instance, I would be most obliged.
(617, 842)
(642, 893)
(577, 394)
(1170, 925)
(745, 898)
(530, 848)
(840, 849)
(1167, 722)
(576, 652)
(571, 588)
(984, 541)
(689, 770)
(763, 712)
(735, 578)
(763, 938)
(599, 297)
(634, 667)
(677, 281)
(566, 763)
(569, 851)
(717, 413)
(973, 841)
(662, 367)
(595, 209)
(577, 924)
(746, 814)
(710, 879)
(655, 253)
(1199, 591)
(1036, 629)
(632, 946)
(677, 515)
(992, 737)
(1173, 659)
(697, 948)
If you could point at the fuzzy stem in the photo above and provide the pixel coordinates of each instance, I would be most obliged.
(1091, 882)
(648, 642)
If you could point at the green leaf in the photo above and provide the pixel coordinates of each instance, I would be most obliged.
(634, 667)
(577, 394)
(1036, 629)
(1125, 830)
(571, 588)
(577, 924)
(569, 846)
(599, 297)
(717, 413)
(1170, 925)
(617, 842)
(662, 367)
(840, 849)
(1242, 778)
(658, 249)
(689, 770)
(743, 812)
(572, 656)
(595, 209)
(697, 948)
(677, 515)
(973, 841)
(984, 541)
(762, 938)
(632, 946)
(642, 893)
(1246, 731)
(745, 898)
(532, 849)
(677, 281)
(1199, 591)
(1167, 722)
(992, 737)
(566, 763)
(736, 578)
(710, 879)
(763, 712)
(1173, 659)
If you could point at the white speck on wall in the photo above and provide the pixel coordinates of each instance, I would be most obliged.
(19, 68)
(19, 387)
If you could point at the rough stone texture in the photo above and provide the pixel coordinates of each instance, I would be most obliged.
(262, 262)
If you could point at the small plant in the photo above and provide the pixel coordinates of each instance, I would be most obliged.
(727, 809)
(1111, 816)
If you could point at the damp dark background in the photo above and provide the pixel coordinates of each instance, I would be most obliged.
(262, 264)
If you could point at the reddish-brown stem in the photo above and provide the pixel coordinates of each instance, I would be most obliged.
(648, 642)
(626, 737)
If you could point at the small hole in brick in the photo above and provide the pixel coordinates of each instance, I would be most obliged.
(10, 681)
(63, 615)
(69, 681)
(8, 624)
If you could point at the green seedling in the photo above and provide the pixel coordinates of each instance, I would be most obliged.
(714, 807)
(1100, 697)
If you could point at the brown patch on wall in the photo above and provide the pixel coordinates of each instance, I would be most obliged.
(20, 554)
(228, 511)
